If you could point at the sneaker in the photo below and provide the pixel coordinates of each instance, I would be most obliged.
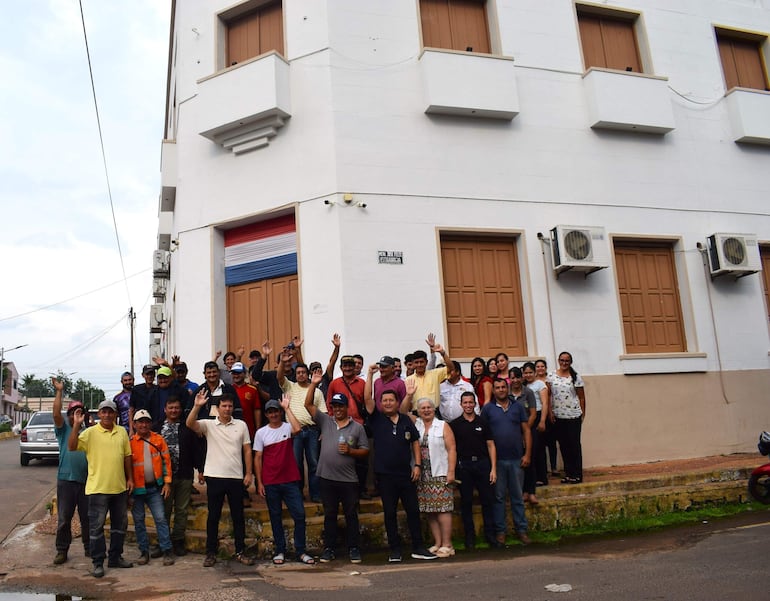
(98, 570)
(60, 558)
(168, 558)
(119, 563)
(144, 559)
(327, 556)
(423, 554)
(209, 561)
(355, 555)
(395, 557)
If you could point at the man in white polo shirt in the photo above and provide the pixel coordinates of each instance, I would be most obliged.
(228, 440)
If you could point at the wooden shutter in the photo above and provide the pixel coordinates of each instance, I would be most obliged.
(609, 43)
(265, 310)
(455, 24)
(742, 62)
(255, 33)
(649, 299)
(764, 253)
(482, 297)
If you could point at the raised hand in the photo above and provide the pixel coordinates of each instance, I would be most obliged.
(286, 401)
(267, 350)
(411, 386)
(297, 341)
(58, 385)
(431, 340)
(201, 398)
(316, 377)
(336, 340)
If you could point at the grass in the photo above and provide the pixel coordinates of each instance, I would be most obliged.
(635, 524)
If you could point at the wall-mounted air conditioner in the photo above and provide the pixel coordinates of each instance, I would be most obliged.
(156, 318)
(161, 263)
(159, 288)
(578, 247)
(733, 254)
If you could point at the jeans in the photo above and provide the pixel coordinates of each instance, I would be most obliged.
(217, 490)
(287, 493)
(178, 503)
(154, 500)
(70, 495)
(307, 447)
(568, 434)
(475, 474)
(334, 492)
(393, 488)
(98, 506)
(509, 482)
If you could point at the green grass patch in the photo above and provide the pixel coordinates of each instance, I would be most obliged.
(631, 525)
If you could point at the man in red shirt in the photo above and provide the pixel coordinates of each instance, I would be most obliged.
(352, 387)
(252, 414)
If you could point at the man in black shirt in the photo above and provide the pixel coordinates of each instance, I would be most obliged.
(476, 458)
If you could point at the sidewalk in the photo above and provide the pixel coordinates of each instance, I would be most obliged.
(26, 556)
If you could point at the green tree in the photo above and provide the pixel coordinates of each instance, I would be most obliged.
(31, 387)
(87, 393)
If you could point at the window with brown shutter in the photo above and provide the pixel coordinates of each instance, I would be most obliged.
(649, 298)
(482, 297)
(253, 33)
(455, 25)
(764, 253)
(743, 64)
(609, 41)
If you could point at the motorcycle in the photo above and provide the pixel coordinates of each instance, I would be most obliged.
(759, 482)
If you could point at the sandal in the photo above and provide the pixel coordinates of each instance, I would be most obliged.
(244, 559)
(445, 552)
(279, 559)
(306, 559)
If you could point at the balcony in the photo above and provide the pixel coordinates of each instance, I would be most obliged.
(749, 112)
(244, 106)
(628, 101)
(470, 85)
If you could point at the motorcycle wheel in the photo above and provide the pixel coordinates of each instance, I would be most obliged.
(759, 488)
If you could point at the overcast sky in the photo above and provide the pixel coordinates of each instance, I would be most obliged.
(57, 239)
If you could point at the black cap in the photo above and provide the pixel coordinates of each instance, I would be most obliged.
(339, 399)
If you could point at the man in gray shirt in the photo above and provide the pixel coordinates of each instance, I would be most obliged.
(343, 440)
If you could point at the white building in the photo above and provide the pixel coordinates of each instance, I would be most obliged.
(386, 168)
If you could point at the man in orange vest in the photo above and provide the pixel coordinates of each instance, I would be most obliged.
(152, 485)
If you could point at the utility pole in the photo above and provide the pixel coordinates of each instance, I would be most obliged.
(132, 323)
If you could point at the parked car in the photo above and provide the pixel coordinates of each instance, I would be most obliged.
(38, 438)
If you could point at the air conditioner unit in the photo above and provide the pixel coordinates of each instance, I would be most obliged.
(733, 254)
(156, 318)
(159, 288)
(578, 247)
(161, 263)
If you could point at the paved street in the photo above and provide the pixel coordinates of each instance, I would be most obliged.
(24, 488)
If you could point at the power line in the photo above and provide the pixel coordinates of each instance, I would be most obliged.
(104, 155)
(82, 346)
(44, 307)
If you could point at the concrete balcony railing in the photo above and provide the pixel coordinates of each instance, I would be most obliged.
(470, 85)
(244, 106)
(749, 112)
(628, 101)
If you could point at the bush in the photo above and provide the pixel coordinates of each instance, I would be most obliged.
(5, 427)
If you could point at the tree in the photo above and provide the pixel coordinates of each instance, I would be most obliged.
(87, 393)
(31, 387)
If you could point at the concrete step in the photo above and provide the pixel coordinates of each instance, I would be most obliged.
(561, 507)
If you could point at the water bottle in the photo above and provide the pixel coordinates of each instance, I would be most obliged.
(340, 442)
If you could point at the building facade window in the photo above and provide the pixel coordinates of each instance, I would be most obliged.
(764, 254)
(482, 297)
(743, 63)
(649, 298)
(455, 25)
(253, 33)
(609, 40)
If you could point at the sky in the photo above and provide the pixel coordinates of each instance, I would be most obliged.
(58, 244)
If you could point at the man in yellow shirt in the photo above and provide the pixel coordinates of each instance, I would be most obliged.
(110, 481)
(427, 381)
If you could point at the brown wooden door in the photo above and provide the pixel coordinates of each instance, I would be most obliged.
(649, 299)
(482, 294)
(609, 43)
(742, 63)
(260, 311)
(255, 33)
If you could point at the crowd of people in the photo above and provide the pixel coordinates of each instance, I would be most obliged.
(415, 434)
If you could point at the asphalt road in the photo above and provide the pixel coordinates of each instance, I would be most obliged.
(26, 490)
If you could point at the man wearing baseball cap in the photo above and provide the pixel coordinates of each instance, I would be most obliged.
(70, 479)
(152, 484)
(110, 481)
